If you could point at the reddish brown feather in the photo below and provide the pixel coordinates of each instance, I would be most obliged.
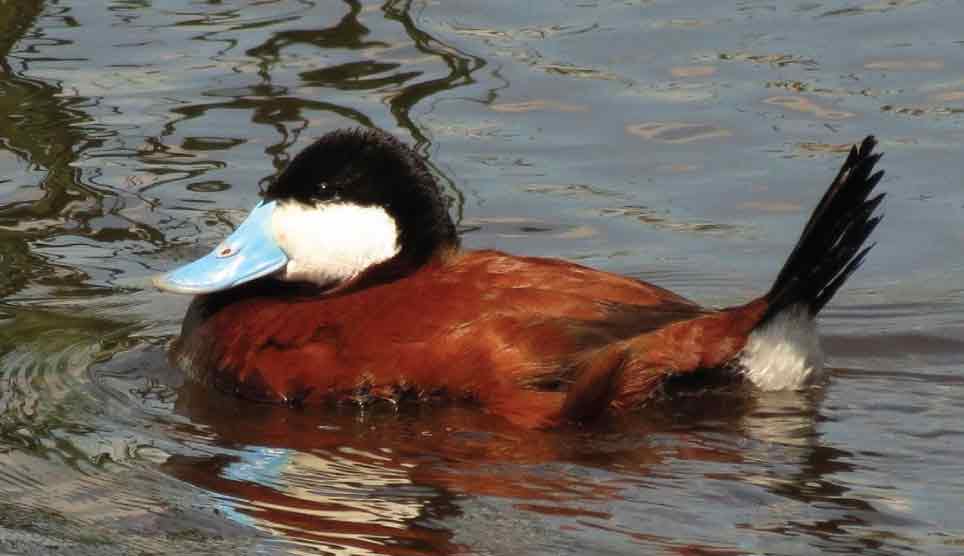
(537, 341)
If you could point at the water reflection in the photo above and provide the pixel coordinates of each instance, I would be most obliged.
(376, 482)
(36, 129)
(105, 188)
(340, 486)
(92, 208)
(389, 481)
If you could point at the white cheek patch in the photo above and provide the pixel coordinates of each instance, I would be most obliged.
(784, 354)
(330, 243)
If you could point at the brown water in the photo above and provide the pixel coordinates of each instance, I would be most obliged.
(678, 142)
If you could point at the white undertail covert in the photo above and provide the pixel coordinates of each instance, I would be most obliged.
(784, 353)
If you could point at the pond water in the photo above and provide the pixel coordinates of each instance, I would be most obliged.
(679, 142)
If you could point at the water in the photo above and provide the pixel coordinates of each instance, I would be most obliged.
(679, 143)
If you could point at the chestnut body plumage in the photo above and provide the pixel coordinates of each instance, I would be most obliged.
(538, 341)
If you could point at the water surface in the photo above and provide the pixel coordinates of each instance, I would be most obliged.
(682, 143)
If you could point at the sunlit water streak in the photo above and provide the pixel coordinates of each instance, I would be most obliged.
(678, 145)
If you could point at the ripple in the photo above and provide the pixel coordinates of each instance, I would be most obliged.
(950, 96)
(693, 71)
(836, 148)
(673, 91)
(676, 132)
(532, 105)
(580, 72)
(578, 190)
(44, 355)
(521, 227)
(872, 7)
(778, 60)
(663, 220)
(905, 65)
(917, 111)
(801, 104)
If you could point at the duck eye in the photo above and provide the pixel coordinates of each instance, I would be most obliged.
(328, 191)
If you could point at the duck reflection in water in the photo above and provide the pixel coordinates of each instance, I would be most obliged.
(394, 480)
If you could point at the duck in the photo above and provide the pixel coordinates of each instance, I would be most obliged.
(347, 284)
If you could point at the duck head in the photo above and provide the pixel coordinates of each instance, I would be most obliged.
(355, 203)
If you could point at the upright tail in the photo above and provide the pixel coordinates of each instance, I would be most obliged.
(831, 248)
(771, 340)
(783, 351)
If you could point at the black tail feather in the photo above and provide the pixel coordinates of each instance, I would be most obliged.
(829, 249)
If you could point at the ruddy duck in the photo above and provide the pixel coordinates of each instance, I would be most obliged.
(347, 283)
